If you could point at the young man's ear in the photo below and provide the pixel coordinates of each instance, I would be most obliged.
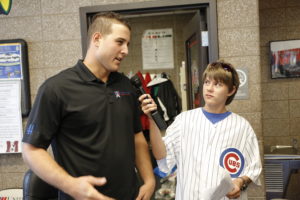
(96, 39)
(232, 91)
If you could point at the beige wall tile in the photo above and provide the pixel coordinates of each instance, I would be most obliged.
(61, 53)
(265, 64)
(266, 4)
(292, 3)
(1, 182)
(232, 13)
(63, 6)
(24, 8)
(295, 127)
(275, 110)
(12, 180)
(275, 17)
(275, 91)
(294, 90)
(10, 163)
(37, 77)
(292, 14)
(276, 127)
(292, 32)
(279, 140)
(27, 28)
(61, 27)
(294, 108)
(238, 42)
(272, 34)
(35, 55)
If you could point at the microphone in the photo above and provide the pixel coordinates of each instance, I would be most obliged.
(161, 124)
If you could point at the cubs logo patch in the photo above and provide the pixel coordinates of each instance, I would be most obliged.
(233, 161)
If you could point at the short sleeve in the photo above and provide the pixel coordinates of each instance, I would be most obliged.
(44, 118)
(253, 166)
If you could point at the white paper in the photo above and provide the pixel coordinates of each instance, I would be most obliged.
(10, 116)
(157, 49)
(204, 37)
(220, 191)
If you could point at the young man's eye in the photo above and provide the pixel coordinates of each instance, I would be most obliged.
(219, 84)
(206, 82)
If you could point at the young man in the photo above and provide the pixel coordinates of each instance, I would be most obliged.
(90, 115)
(203, 141)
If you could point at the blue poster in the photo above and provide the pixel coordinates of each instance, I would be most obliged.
(10, 61)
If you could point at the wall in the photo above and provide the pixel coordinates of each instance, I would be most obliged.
(280, 97)
(52, 31)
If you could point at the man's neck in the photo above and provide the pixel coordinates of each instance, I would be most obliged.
(98, 71)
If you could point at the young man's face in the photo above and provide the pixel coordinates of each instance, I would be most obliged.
(113, 47)
(215, 93)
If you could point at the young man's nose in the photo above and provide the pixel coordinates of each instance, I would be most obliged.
(125, 50)
(210, 87)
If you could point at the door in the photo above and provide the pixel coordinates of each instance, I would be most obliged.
(196, 57)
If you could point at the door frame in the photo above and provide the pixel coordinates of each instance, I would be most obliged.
(155, 7)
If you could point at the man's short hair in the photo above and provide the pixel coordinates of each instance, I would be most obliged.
(224, 73)
(102, 23)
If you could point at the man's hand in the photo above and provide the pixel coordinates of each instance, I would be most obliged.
(84, 188)
(147, 104)
(236, 192)
(146, 191)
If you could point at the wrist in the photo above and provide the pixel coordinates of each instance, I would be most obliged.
(244, 184)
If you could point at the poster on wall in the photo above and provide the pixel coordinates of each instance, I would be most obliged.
(285, 59)
(14, 66)
(10, 116)
(11, 77)
(157, 49)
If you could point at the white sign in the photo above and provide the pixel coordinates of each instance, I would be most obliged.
(204, 38)
(157, 49)
(10, 116)
(242, 92)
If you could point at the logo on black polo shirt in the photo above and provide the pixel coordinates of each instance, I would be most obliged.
(118, 94)
(30, 129)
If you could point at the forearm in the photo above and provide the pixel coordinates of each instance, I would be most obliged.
(42, 164)
(143, 161)
(157, 144)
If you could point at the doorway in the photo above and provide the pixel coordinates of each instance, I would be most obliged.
(199, 17)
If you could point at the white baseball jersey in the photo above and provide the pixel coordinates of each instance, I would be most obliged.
(201, 150)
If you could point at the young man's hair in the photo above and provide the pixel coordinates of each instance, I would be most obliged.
(225, 73)
(102, 23)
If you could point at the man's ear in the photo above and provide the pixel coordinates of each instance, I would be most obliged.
(96, 38)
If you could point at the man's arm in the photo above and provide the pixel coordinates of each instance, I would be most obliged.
(158, 146)
(42, 164)
(144, 166)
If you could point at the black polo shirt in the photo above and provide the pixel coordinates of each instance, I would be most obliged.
(91, 126)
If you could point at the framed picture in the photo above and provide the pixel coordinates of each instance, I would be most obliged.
(14, 65)
(285, 59)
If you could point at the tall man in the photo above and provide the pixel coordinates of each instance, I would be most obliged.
(89, 113)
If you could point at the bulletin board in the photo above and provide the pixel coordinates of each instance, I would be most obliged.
(14, 65)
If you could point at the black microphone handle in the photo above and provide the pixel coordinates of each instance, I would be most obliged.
(161, 124)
